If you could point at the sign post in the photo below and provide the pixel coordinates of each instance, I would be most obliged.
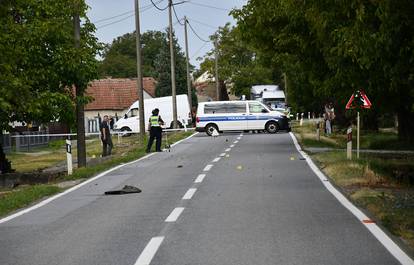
(69, 156)
(349, 143)
(358, 100)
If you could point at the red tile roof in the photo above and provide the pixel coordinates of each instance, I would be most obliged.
(116, 93)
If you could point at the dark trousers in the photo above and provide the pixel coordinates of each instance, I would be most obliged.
(155, 133)
(107, 147)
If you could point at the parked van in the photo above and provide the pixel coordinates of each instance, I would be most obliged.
(239, 115)
(256, 92)
(130, 121)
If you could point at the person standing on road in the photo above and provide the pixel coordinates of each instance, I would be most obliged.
(106, 137)
(155, 130)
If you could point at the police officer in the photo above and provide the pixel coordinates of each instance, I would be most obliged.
(155, 129)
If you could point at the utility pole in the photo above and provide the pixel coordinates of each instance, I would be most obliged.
(139, 73)
(173, 88)
(217, 75)
(80, 116)
(188, 66)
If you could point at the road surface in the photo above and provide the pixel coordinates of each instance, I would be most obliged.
(230, 200)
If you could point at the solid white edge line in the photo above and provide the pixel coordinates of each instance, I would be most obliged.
(216, 159)
(227, 150)
(200, 178)
(208, 167)
(48, 200)
(381, 236)
(174, 214)
(189, 194)
(149, 251)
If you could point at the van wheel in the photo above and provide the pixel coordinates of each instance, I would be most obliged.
(210, 128)
(179, 125)
(125, 129)
(272, 127)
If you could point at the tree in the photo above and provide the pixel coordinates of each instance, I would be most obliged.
(39, 61)
(330, 49)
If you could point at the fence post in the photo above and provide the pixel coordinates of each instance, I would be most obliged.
(69, 156)
(349, 143)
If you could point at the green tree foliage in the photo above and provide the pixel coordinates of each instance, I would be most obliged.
(239, 63)
(39, 62)
(329, 49)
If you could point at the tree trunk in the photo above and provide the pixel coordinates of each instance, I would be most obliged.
(5, 165)
(406, 125)
(80, 124)
(223, 91)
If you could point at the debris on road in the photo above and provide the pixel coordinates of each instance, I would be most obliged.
(125, 190)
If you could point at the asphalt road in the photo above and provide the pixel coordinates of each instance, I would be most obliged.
(222, 201)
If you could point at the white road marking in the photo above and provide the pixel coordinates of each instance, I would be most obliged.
(200, 178)
(232, 145)
(228, 150)
(189, 194)
(43, 203)
(235, 142)
(382, 237)
(222, 154)
(216, 159)
(174, 214)
(149, 251)
(208, 167)
(238, 138)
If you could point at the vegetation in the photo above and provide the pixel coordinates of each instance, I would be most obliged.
(39, 62)
(328, 49)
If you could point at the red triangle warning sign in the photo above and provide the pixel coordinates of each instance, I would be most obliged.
(358, 100)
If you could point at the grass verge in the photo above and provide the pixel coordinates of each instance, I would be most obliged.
(383, 184)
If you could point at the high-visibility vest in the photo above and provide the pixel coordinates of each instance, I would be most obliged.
(154, 121)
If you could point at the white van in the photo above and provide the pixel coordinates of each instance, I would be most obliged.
(256, 92)
(239, 115)
(130, 121)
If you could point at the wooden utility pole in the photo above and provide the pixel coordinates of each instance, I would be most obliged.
(80, 116)
(139, 72)
(188, 66)
(286, 87)
(216, 69)
(173, 88)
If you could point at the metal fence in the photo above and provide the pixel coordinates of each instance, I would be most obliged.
(27, 140)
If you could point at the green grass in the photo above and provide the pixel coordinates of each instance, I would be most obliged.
(13, 200)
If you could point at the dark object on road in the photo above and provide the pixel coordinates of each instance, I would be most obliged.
(125, 190)
(179, 166)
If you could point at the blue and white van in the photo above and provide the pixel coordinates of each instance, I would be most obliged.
(239, 116)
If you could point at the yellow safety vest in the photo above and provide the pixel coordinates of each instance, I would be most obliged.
(154, 121)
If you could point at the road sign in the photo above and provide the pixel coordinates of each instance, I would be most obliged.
(358, 100)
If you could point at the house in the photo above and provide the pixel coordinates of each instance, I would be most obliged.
(113, 97)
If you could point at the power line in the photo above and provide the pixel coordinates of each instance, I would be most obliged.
(144, 8)
(202, 23)
(208, 6)
(195, 33)
(176, 16)
(199, 49)
(117, 21)
(161, 9)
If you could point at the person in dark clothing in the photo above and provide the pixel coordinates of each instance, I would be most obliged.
(106, 137)
(155, 129)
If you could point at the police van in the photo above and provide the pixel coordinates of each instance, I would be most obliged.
(239, 116)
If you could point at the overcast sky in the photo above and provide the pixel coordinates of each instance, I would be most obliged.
(204, 15)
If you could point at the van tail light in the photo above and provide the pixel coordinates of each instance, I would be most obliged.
(198, 119)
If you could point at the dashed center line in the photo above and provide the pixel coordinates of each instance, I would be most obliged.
(208, 167)
(228, 150)
(174, 214)
(232, 145)
(149, 251)
(235, 142)
(216, 159)
(189, 194)
(200, 178)
(222, 154)
(238, 138)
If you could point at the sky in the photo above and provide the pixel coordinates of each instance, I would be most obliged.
(115, 18)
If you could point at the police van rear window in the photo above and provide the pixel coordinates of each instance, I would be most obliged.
(224, 108)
